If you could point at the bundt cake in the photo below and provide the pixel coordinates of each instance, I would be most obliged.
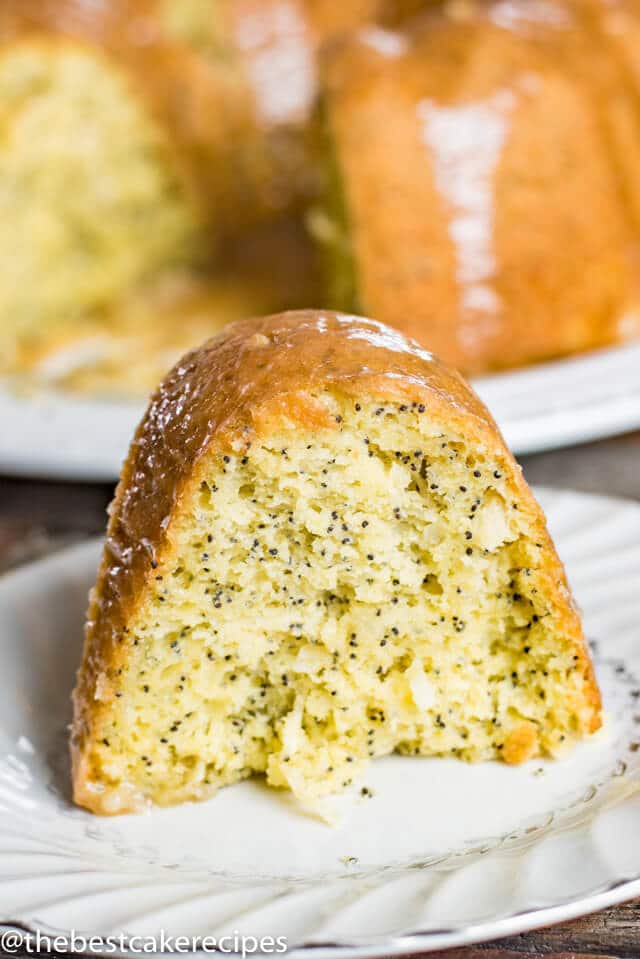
(232, 83)
(481, 179)
(141, 139)
(320, 551)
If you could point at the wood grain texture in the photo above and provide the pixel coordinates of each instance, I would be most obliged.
(612, 932)
(36, 517)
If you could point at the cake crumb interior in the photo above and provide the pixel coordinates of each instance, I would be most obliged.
(335, 595)
(88, 184)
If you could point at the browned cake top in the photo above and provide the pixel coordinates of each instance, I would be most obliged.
(260, 370)
(485, 173)
(233, 382)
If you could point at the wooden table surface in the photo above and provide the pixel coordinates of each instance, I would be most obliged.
(36, 517)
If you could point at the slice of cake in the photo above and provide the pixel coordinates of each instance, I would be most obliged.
(320, 552)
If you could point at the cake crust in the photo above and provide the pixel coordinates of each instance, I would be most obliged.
(235, 388)
(490, 220)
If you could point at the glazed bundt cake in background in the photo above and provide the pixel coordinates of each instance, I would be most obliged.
(196, 94)
(118, 145)
(476, 173)
(145, 141)
(480, 179)
(320, 551)
(233, 83)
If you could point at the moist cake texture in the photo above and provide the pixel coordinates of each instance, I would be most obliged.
(320, 552)
(91, 203)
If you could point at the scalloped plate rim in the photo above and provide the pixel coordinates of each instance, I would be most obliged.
(417, 942)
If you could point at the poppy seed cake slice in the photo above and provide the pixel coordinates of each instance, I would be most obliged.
(320, 552)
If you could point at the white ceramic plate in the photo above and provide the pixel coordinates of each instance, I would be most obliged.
(444, 853)
(57, 435)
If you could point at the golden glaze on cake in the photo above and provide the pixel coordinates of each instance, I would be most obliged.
(486, 166)
(223, 397)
